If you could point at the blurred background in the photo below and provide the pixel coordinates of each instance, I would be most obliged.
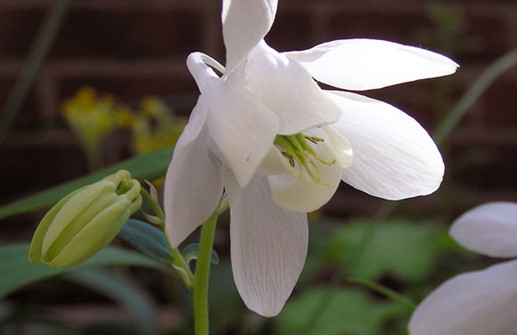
(114, 84)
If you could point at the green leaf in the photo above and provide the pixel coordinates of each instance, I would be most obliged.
(404, 249)
(17, 271)
(191, 251)
(123, 291)
(332, 311)
(147, 239)
(147, 166)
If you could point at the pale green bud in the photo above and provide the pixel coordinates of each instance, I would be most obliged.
(85, 221)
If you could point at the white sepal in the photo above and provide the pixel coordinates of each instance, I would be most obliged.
(394, 157)
(473, 303)
(489, 229)
(245, 23)
(268, 246)
(365, 64)
(195, 177)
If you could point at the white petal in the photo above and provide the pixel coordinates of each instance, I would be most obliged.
(245, 23)
(195, 124)
(193, 185)
(474, 303)
(489, 229)
(288, 90)
(394, 157)
(339, 146)
(302, 194)
(241, 126)
(201, 67)
(268, 246)
(274, 163)
(364, 64)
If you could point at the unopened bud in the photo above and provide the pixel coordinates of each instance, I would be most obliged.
(85, 221)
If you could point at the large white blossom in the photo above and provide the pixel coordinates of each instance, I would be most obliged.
(480, 302)
(267, 134)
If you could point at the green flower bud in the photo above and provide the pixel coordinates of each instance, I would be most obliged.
(85, 221)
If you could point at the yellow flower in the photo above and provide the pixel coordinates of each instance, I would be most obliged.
(155, 126)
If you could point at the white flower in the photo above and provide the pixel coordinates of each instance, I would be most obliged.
(266, 133)
(480, 302)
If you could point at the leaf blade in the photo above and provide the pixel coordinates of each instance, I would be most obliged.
(147, 239)
(123, 291)
(17, 271)
(138, 166)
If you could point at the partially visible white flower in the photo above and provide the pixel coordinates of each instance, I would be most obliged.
(489, 229)
(267, 134)
(480, 302)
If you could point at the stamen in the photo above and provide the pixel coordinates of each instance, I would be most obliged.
(299, 153)
(314, 139)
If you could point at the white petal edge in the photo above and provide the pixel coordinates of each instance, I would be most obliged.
(195, 124)
(489, 229)
(240, 125)
(339, 146)
(193, 186)
(268, 246)
(394, 157)
(474, 303)
(202, 67)
(288, 90)
(364, 64)
(245, 23)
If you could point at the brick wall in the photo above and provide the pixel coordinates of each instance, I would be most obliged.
(134, 48)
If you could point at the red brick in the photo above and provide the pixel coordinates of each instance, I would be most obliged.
(392, 26)
(487, 38)
(291, 31)
(33, 161)
(500, 105)
(18, 28)
(29, 116)
(129, 35)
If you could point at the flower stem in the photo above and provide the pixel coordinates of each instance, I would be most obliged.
(496, 69)
(384, 291)
(178, 262)
(182, 268)
(201, 276)
(155, 206)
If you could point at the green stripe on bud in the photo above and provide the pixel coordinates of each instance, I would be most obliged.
(85, 221)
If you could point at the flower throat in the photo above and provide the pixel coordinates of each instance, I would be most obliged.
(297, 150)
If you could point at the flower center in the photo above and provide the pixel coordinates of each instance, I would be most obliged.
(301, 156)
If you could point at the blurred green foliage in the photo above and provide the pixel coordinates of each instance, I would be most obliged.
(403, 249)
(347, 312)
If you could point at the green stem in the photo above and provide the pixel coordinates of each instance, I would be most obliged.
(155, 206)
(182, 268)
(384, 291)
(178, 262)
(93, 152)
(201, 276)
(459, 110)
